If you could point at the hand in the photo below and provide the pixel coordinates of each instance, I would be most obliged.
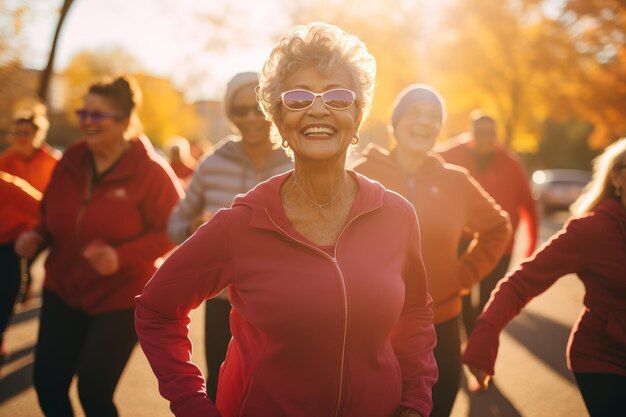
(196, 222)
(482, 379)
(27, 244)
(102, 257)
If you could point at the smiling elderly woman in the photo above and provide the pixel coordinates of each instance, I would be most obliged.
(305, 255)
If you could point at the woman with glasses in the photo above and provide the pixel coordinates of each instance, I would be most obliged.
(592, 244)
(238, 163)
(103, 218)
(448, 202)
(330, 307)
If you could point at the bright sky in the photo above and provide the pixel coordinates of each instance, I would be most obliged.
(171, 38)
(164, 36)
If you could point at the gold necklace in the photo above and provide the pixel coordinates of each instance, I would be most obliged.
(345, 179)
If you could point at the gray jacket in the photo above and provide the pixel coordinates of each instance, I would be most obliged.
(221, 176)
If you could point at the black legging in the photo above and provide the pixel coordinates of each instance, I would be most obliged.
(604, 394)
(9, 284)
(448, 357)
(470, 312)
(216, 338)
(95, 348)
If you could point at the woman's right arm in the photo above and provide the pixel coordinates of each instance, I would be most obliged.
(566, 252)
(198, 269)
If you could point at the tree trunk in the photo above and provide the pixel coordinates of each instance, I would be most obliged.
(47, 72)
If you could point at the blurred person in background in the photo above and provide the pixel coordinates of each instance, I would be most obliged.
(447, 202)
(29, 157)
(178, 153)
(238, 163)
(103, 217)
(28, 163)
(502, 175)
(330, 307)
(591, 244)
(19, 212)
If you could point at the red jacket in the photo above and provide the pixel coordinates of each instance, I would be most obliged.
(448, 202)
(506, 181)
(19, 207)
(127, 210)
(36, 169)
(592, 246)
(314, 335)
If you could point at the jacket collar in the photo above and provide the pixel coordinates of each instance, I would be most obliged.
(76, 159)
(267, 209)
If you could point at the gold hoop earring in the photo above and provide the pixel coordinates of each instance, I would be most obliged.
(285, 143)
(354, 140)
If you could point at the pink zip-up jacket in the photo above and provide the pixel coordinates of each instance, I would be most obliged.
(317, 332)
(594, 247)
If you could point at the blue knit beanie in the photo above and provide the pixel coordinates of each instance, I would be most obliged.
(415, 93)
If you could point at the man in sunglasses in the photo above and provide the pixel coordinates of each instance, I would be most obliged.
(239, 162)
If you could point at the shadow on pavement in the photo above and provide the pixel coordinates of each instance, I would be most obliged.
(13, 383)
(544, 338)
(18, 381)
(490, 403)
(25, 315)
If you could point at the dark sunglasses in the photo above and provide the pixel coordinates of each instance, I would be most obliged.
(242, 111)
(96, 116)
(338, 99)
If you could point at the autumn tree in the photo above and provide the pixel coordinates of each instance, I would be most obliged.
(598, 35)
(490, 56)
(46, 74)
(15, 82)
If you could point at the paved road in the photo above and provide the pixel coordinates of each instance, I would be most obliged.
(531, 379)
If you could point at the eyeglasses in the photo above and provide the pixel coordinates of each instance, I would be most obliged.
(96, 116)
(243, 111)
(338, 99)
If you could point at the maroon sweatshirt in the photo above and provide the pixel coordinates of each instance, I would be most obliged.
(594, 247)
(127, 210)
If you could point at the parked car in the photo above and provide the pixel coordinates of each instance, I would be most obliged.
(557, 189)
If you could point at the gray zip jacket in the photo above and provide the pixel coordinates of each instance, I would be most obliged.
(220, 177)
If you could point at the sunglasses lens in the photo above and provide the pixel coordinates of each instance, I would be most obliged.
(338, 99)
(95, 116)
(298, 99)
(242, 111)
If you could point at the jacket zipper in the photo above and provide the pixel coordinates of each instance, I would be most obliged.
(345, 300)
(79, 220)
(83, 207)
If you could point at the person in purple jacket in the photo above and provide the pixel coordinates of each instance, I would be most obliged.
(592, 244)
